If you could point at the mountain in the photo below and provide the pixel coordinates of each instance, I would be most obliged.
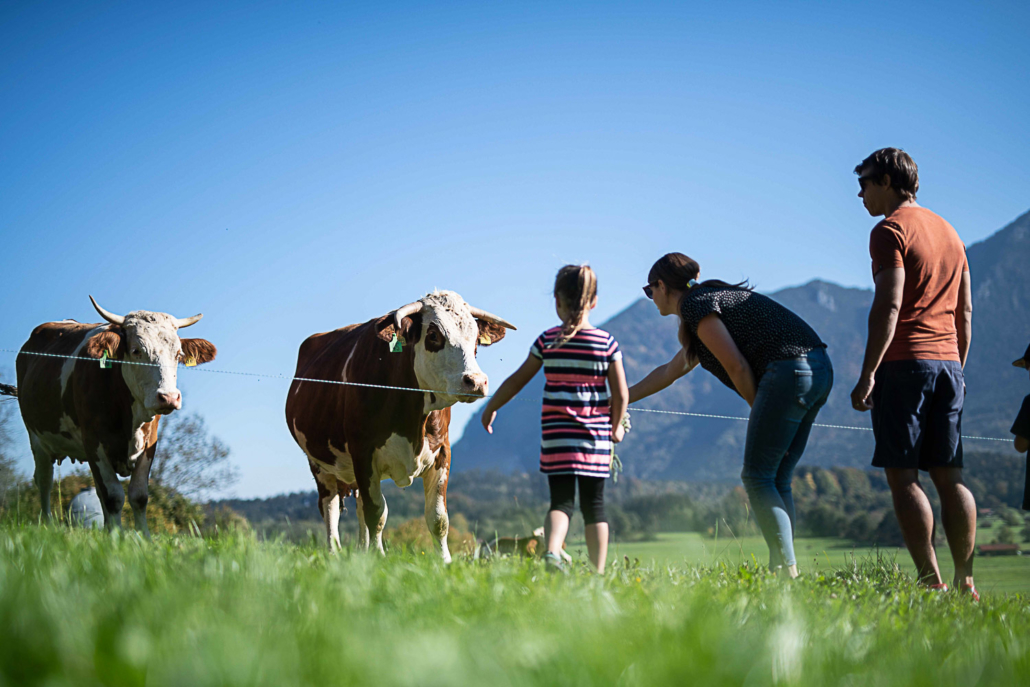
(688, 448)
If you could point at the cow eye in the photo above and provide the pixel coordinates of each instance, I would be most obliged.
(135, 351)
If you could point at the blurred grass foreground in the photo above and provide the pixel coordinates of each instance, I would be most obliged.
(91, 608)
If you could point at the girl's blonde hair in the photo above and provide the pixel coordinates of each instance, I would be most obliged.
(576, 287)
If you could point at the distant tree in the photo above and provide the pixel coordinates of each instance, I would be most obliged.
(861, 528)
(1004, 536)
(189, 461)
(888, 532)
(1011, 517)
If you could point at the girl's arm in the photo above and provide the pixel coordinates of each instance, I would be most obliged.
(713, 334)
(662, 376)
(619, 399)
(511, 386)
(1022, 444)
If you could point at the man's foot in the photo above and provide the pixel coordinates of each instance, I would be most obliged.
(942, 587)
(971, 591)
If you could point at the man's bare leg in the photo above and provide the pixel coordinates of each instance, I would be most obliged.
(958, 515)
(916, 519)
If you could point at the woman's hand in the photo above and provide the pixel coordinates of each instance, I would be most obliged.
(618, 433)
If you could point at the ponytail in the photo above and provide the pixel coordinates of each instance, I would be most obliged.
(576, 287)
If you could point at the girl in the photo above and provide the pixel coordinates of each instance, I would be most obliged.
(576, 420)
(768, 355)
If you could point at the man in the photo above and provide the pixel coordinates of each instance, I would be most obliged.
(920, 325)
(1021, 428)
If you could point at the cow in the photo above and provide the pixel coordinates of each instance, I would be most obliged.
(103, 413)
(356, 436)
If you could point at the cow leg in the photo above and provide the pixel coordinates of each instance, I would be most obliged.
(139, 492)
(44, 479)
(329, 506)
(372, 506)
(362, 527)
(109, 488)
(434, 481)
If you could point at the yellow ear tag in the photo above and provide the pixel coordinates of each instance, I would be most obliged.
(190, 362)
(484, 339)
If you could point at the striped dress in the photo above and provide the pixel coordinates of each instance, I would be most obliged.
(575, 419)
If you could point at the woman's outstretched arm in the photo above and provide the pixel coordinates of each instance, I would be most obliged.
(511, 386)
(662, 376)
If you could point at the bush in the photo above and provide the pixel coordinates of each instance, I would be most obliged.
(413, 535)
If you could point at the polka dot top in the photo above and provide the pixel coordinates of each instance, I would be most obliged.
(763, 330)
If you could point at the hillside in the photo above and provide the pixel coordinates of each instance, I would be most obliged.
(683, 448)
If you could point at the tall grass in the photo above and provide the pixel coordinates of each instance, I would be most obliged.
(92, 608)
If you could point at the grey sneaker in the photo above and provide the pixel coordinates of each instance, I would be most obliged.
(553, 562)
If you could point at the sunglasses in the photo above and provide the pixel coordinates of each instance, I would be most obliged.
(864, 181)
(649, 291)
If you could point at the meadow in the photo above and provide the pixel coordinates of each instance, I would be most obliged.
(994, 574)
(91, 608)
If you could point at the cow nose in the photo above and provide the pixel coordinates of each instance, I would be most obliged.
(474, 383)
(169, 400)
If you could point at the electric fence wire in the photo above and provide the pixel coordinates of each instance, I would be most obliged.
(290, 378)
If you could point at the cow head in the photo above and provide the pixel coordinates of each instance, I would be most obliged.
(148, 345)
(445, 333)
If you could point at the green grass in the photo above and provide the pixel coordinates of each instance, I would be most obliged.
(88, 608)
(995, 574)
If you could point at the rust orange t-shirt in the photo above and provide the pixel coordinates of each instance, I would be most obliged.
(934, 258)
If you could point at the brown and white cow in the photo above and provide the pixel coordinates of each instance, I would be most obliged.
(74, 408)
(355, 437)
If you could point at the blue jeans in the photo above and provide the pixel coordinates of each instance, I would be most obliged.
(789, 397)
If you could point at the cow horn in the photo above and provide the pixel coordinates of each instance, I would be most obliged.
(110, 317)
(406, 311)
(187, 321)
(484, 315)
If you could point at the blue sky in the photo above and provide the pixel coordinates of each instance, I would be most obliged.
(292, 168)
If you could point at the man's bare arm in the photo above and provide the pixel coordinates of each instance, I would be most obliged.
(964, 317)
(883, 319)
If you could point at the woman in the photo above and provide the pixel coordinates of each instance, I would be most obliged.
(768, 355)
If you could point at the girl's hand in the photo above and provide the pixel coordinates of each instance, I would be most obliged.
(618, 433)
(488, 418)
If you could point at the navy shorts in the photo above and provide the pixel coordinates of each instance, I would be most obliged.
(917, 414)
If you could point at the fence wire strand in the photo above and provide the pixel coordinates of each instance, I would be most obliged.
(290, 378)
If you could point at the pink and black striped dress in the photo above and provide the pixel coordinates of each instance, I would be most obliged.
(575, 419)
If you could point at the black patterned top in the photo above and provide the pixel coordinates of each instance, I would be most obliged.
(763, 330)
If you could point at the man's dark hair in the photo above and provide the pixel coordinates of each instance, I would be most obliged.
(898, 165)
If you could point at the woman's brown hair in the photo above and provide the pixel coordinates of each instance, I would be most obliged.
(677, 271)
(576, 287)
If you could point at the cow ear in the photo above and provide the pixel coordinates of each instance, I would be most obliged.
(198, 351)
(111, 342)
(489, 333)
(411, 329)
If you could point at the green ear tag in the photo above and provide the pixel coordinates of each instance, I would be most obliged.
(105, 364)
(396, 345)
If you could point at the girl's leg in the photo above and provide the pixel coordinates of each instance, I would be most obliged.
(563, 498)
(591, 502)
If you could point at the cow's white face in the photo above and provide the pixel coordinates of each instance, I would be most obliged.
(445, 353)
(152, 339)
